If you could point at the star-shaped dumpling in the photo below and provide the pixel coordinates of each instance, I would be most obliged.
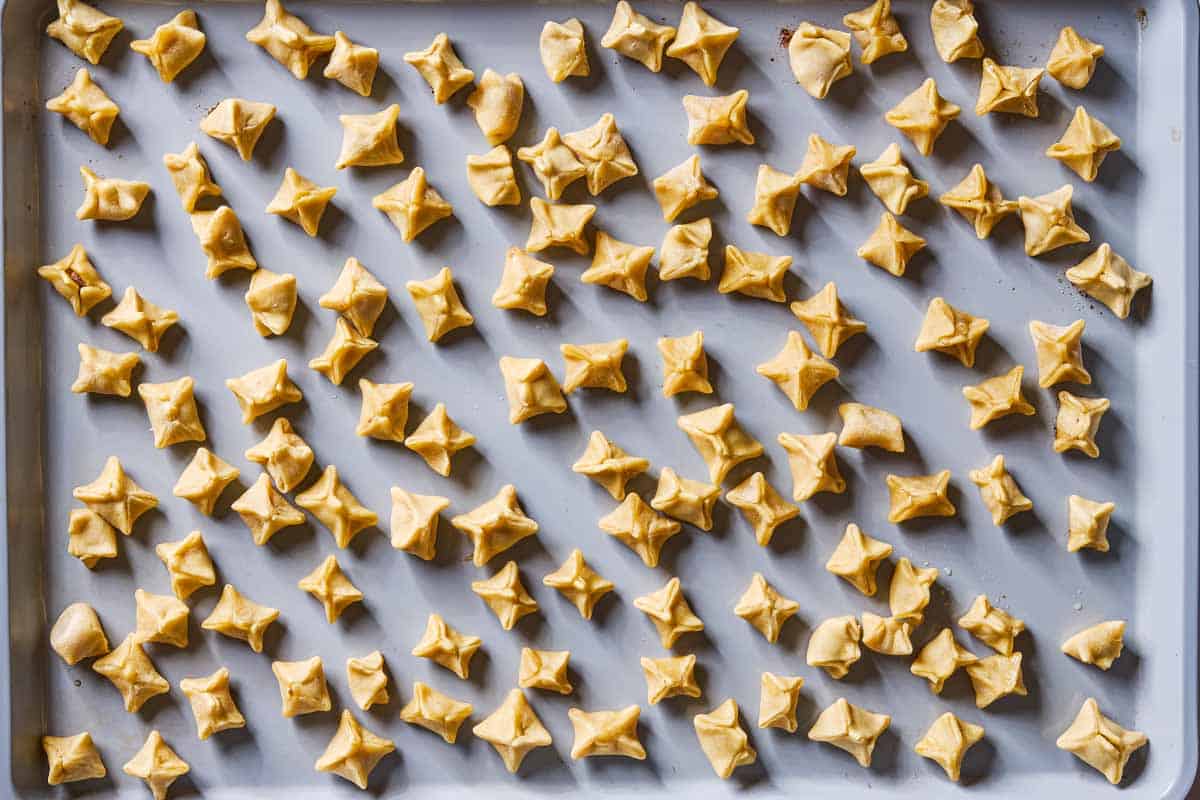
(891, 246)
(668, 609)
(719, 439)
(87, 106)
(1077, 422)
(775, 194)
(619, 266)
(331, 587)
(685, 499)
(105, 372)
(955, 30)
(1084, 145)
(171, 407)
(174, 45)
(514, 729)
(673, 676)
(995, 677)
(132, 672)
(441, 68)
(497, 102)
(993, 626)
(437, 439)
(1107, 277)
(238, 123)
(288, 39)
(979, 201)
(997, 397)
(115, 497)
(554, 164)
(345, 349)
(948, 330)
(1100, 742)
(531, 388)
(1012, 90)
(947, 741)
(505, 595)
(1059, 353)
(636, 525)
(798, 371)
(140, 320)
(889, 636)
(86, 30)
(812, 463)
(833, 646)
(913, 496)
(940, 659)
(222, 241)
(850, 728)
(594, 366)
(265, 511)
(908, 594)
(1073, 60)
(876, 30)
(826, 166)
(579, 583)
(492, 178)
(435, 712)
(922, 115)
(762, 506)
(77, 634)
(74, 277)
(301, 201)
(72, 758)
(157, 764)
(438, 305)
(384, 412)
(496, 525)
(370, 140)
(412, 205)
(302, 688)
(367, 680)
(718, 120)
(212, 704)
(283, 454)
(857, 558)
(1049, 221)
(203, 480)
(544, 669)
(890, 179)
(559, 225)
(827, 320)
(684, 251)
(999, 491)
(239, 617)
(682, 187)
(636, 36)
(353, 751)
(352, 65)
(1087, 524)
(819, 57)
(685, 366)
(1100, 645)
(606, 733)
(563, 50)
(523, 283)
(765, 608)
(701, 42)
(444, 645)
(89, 537)
(188, 563)
(603, 152)
(110, 199)
(778, 696)
(414, 522)
(336, 507)
(723, 740)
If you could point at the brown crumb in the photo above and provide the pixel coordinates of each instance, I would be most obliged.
(785, 36)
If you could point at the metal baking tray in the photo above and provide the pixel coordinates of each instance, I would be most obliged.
(1144, 204)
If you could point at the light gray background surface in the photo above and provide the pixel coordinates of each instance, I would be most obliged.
(57, 440)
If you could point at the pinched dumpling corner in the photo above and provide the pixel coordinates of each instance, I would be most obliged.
(156, 764)
(353, 752)
(876, 31)
(506, 596)
(559, 225)
(1100, 742)
(288, 40)
(370, 140)
(1084, 145)
(563, 50)
(1077, 422)
(85, 30)
(922, 116)
(204, 479)
(497, 102)
(514, 730)
(620, 266)
(833, 645)
(1073, 60)
(718, 120)
(105, 372)
(850, 728)
(955, 30)
(238, 123)
(999, 491)
(495, 525)
(583, 587)
(346, 348)
(890, 179)
(594, 366)
(414, 522)
(110, 199)
(330, 586)
(1011, 90)
(997, 397)
(641, 528)
(947, 741)
(77, 634)
(812, 463)
(606, 733)
(684, 251)
(1109, 278)
(523, 283)
(444, 645)
(685, 499)
(554, 164)
(352, 65)
(682, 187)
(891, 246)
(263, 390)
(86, 106)
(1050, 222)
(603, 152)
(915, 496)
(826, 166)
(412, 205)
(336, 507)
(435, 712)
(441, 68)
(723, 740)
(115, 497)
(668, 609)
(301, 201)
(701, 42)
(174, 45)
(775, 194)
(1100, 645)
(76, 280)
(938, 660)
(672, 676)
(239, 617)
(492, 178)
(438, 305)
(636, 36)
(948, 330)
(531, 388)
(222, 241)
(979, 201)
(857, 557)
(797, 371)
(72, 758)
(819, 57)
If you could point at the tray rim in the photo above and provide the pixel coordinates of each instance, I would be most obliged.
(1184, 784)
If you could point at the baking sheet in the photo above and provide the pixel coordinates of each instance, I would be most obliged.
(1145, 89)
